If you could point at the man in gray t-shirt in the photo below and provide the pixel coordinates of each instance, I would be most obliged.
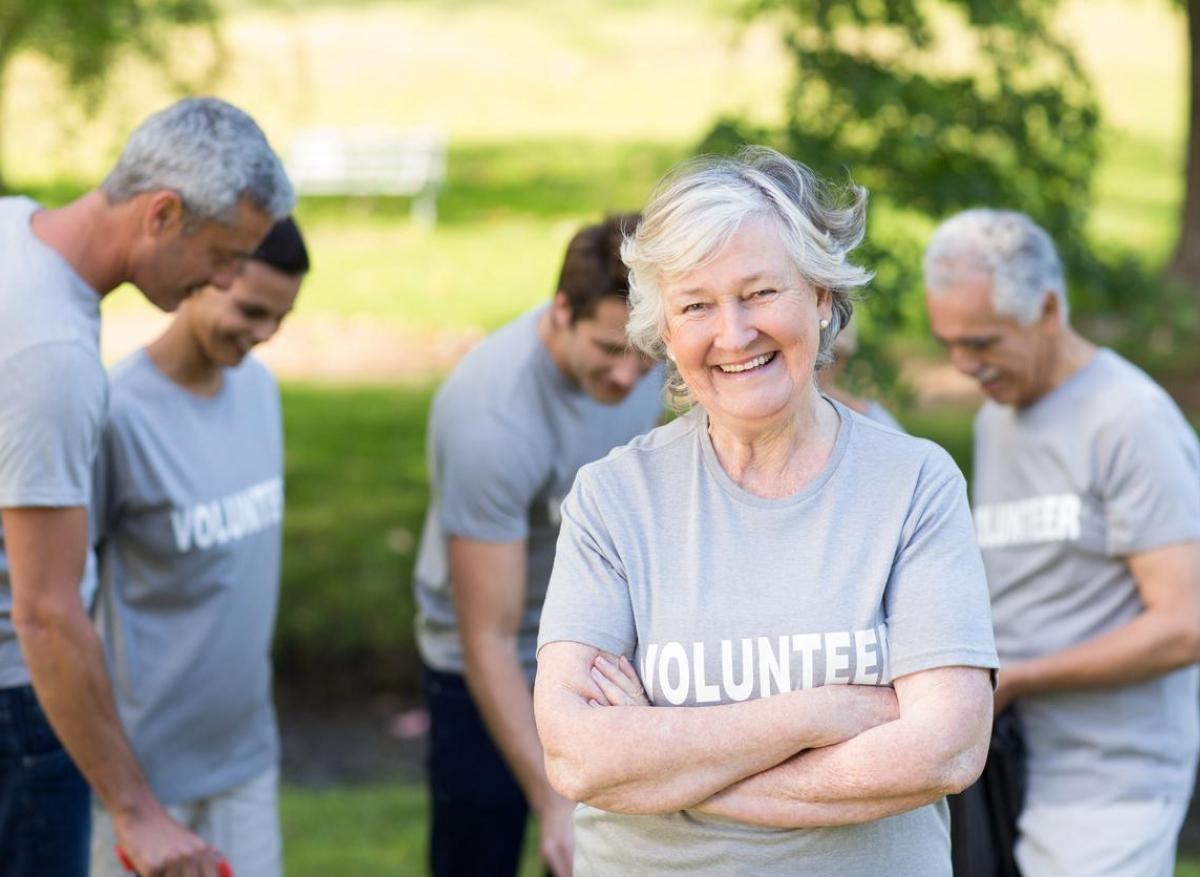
(1087, 510)
(194, 191)
(553, 390)
(188, 515)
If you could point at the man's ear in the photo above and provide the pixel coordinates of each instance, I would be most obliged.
(560, 311)
(1052, 316)
(164, 213)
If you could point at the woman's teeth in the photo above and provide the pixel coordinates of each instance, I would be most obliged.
(749, 364)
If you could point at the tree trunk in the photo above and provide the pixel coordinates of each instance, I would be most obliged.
(1185, 263)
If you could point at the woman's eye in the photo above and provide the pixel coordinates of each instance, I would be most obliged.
(693, 308)
(765, 293)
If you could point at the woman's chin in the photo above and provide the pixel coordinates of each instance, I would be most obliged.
(751, 409)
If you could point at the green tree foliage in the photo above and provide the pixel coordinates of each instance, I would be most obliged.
(83, 37)
(937, 106)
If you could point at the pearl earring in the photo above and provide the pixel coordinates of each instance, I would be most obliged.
(824, 325)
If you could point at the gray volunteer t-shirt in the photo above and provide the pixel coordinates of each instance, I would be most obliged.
(507, 433)
(716, 595)
(189, 510)
(53, 392)
(1102, 467)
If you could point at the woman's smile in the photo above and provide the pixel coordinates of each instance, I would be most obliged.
(750, 367)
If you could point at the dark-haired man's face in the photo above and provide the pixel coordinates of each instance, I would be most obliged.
(598, 356)
(228, 323)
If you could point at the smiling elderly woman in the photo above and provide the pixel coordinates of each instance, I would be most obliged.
(799, 589)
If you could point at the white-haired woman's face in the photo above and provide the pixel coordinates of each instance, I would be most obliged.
(745, 328)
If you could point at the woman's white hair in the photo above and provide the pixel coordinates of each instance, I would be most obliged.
(211, 154)
(1009, 247)
(701, 204)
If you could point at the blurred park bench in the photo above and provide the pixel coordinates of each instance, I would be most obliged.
(371, 161)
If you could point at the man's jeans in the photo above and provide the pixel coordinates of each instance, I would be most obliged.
(45, 814)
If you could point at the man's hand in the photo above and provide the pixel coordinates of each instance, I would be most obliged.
(557, 833)
(158, 846)
(1008, 687)
(46, 550)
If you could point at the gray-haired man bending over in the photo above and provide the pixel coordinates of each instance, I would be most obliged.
(1087, 509)
(194, 192)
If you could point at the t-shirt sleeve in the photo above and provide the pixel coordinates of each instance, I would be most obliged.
(486, 483)
(1150, 481)
(937, 604)
(52, 410)
(588, 597)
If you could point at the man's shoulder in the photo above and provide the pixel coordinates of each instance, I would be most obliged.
(41, 298)
(1122, 396)
(496, 384)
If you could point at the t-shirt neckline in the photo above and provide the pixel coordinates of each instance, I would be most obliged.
(216, 398)
(737, 492)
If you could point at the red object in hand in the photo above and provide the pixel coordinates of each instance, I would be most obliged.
(223, 868)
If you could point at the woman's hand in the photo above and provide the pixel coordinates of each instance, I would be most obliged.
(618, 681)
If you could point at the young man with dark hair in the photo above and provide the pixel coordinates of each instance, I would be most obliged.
(553, 390)
(188, 515)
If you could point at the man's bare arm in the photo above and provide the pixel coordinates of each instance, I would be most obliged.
(46, 549)
(489, 599)
(1163, 637)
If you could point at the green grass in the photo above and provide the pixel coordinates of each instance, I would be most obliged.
(372, 830)
(351, 832)
(356, 497)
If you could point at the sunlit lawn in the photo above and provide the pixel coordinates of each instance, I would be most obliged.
(380, 830)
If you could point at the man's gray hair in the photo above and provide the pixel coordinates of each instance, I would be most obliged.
(701, 204)
(211, 154)
(1010, 248)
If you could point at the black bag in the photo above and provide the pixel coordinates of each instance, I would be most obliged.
(983, 818)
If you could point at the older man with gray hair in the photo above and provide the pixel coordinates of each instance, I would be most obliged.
(1087, 509)
(194, 192)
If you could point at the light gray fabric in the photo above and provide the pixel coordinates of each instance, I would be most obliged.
(1102, 467)
(881, 415)
(1116, 839)
(243, 823)
(188, 511)
(867, 574)
(53, 392)
(507, 433)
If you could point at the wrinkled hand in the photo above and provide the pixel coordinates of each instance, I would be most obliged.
(158, 846)
(557, 836)
(618, 682)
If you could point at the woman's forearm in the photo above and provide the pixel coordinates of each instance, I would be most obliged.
(753, 806)
(937, 747)
(639, 759)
